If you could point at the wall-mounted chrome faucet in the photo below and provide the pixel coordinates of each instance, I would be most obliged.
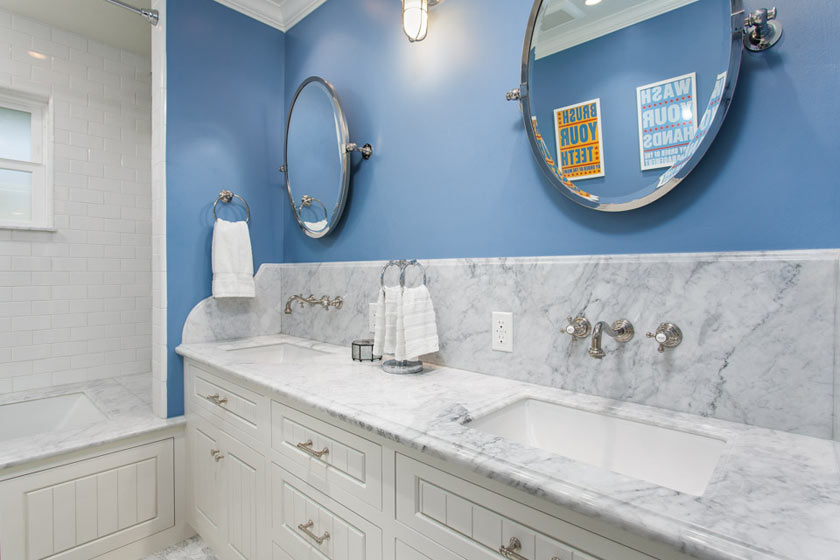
(621, 330)
(324, 302)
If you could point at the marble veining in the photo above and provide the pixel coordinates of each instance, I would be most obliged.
(773, 494)
(190, 549)
(759, 327)
(227, 318)
(126, 401)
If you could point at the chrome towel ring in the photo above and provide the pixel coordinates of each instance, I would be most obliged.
(306, 201)
(227, 196)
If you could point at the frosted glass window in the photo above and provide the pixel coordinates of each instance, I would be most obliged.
(15, 134)
(15, 195)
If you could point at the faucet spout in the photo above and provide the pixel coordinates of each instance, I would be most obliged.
(621, 330)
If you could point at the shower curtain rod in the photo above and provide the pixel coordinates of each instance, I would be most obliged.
(151, 16)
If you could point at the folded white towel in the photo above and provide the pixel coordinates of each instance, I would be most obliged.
(233, 263)
(416, 327)
(385, 327)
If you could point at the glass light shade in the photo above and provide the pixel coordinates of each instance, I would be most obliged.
(415, 19)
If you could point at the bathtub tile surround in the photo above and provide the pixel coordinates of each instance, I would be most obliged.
(759, 327)
(75, 303)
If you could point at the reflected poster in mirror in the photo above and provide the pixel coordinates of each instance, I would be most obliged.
(611, 92)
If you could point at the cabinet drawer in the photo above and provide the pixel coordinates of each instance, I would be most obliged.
(84, 509)
(308, 524)
(403, 551)
(475, 522)
(341, 464)
(240, 408)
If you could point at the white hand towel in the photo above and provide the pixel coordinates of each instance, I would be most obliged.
(416, 326)
(316, 226)
(233, 263)
(385, 328)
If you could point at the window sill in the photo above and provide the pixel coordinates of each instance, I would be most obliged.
(27, 227)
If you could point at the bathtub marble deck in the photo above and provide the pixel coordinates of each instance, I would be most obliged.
(773, 495)
(126, 401)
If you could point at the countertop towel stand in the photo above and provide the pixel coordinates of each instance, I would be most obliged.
(402, 367)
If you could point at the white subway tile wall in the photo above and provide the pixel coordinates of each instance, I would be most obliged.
(76, 304)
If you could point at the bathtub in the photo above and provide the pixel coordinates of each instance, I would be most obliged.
(88, 470)
(50, 414)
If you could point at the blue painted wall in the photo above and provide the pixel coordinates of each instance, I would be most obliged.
(453, 174)
(225, 123)
(610, 68)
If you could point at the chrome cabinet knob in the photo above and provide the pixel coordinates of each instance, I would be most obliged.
(668, 335)
(579, 327)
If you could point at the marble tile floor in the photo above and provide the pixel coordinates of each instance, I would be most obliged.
(190, 549)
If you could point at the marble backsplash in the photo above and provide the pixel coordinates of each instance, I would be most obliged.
(759, 328)
(229, 318)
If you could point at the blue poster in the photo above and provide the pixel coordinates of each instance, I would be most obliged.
(705, 123)
(667, 120)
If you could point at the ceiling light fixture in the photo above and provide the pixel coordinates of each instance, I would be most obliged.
(592, 2)
(36, 54)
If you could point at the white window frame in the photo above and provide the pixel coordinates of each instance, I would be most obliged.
(41, 160)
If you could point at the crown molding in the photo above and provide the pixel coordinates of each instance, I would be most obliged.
(562, 37)
(280, 14)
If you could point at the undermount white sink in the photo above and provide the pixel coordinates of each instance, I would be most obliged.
(277, 353)
(672, 458)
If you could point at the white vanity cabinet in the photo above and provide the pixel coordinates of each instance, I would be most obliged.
(271, 480)
(228, 475)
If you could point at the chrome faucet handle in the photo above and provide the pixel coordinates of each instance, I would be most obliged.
(668, 335)
(579, 327)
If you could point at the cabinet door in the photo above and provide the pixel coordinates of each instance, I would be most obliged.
(88, 507)
(207, 479)
(244, 498)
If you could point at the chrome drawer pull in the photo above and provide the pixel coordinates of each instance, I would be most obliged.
(510, 551)
(305, 527)
(218, 457)
(307, 446)
(215, 399)
(214, 452)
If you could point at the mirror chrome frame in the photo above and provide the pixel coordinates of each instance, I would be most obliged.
(648, 194)
(344, 154)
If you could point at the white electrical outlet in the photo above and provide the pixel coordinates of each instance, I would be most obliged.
(372, 317)
(502, 331)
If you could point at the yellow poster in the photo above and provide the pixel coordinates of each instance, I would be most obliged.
(580, 149)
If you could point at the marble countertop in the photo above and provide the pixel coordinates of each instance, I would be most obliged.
(125, 401)
(773, 494)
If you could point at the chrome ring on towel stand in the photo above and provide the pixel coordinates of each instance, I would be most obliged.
(227, 196)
